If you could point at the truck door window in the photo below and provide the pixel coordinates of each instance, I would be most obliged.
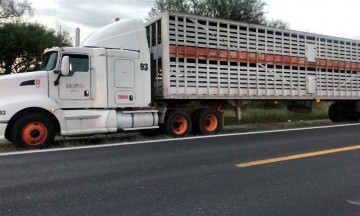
(49, 60)
(78, 63)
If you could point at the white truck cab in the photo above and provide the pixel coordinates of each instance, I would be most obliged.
(101, 87)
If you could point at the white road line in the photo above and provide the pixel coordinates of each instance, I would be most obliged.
(167, 140)
(357, 203)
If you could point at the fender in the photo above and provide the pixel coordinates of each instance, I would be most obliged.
(12, 105)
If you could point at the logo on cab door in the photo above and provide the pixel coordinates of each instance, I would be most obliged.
(75, 85)
(37, 83)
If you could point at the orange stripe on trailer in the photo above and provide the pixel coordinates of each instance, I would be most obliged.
(258, 58)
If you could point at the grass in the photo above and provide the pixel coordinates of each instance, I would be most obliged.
(61, 142)
(253, 114)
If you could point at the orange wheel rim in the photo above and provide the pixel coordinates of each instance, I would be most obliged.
(179, 125)
(210, 122)
(34, 133)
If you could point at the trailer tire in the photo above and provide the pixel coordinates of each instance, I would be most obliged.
(177, 123)
(337, 113)
(353, 116)
(207, 121)
(333, 113)
(33, 130)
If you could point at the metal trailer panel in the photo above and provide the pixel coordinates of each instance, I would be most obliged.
(205, 58)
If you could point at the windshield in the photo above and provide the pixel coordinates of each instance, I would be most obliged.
(49, 60)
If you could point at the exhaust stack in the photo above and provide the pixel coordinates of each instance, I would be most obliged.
(77, 37)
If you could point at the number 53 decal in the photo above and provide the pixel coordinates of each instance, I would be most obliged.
(2, 112)
(144, 67)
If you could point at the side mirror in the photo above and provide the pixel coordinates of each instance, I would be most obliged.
(65, 66)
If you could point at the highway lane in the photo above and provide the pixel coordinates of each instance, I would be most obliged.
(190, 177)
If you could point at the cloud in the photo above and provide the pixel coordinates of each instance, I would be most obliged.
(92, 13)
(89, 14)
(320, 16)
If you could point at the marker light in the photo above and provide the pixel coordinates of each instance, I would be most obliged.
(52, 110)
(117, 19)
(318, 100)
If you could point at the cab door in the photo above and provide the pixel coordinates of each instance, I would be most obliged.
(77, 85)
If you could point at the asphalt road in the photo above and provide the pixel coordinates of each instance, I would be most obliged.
(190, 177)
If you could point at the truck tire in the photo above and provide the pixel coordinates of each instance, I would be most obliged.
(177, 123)
(337, 113)
(33, 130)
(207, 121)
(8, 136)
(353, 116)
(333, 113)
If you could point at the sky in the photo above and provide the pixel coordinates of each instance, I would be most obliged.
(328, 17)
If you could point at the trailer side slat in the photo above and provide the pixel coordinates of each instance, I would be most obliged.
(213, 58)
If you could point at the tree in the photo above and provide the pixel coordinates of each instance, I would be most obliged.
(278, 24)
(21, 45)
(251, 11)
(12, 9)
(240, 10)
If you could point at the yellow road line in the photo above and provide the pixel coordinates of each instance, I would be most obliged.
(298, 156)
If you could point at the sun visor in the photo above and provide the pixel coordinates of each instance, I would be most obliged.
(118, 35)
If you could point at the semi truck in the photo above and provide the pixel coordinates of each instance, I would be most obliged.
(176, 72)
